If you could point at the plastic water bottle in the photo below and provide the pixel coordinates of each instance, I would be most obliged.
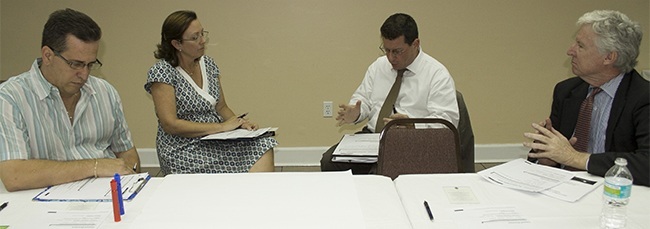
(616, 195)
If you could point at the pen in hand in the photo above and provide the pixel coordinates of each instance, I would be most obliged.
(241, 117)
(426, 206)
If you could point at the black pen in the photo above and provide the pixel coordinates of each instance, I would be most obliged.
(243, 115)
(4, 205)
(426, 206)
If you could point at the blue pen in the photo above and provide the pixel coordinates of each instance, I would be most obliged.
(119, 196)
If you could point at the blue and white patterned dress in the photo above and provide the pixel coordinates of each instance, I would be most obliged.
(179, 154)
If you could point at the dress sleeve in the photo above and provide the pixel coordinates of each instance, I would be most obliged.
(161, 72)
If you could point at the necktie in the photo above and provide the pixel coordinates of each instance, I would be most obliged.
(584, 122)
(389, 103)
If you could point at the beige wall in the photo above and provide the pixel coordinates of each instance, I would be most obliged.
(1, 76)
(281, 59)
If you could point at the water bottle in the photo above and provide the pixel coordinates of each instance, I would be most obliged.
(616, 195)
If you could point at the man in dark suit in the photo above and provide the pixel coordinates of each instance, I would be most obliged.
(603, 58)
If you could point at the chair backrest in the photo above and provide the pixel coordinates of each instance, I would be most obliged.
(466, 136)
(404, 149)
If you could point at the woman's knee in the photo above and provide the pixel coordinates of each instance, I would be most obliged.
(265, 163)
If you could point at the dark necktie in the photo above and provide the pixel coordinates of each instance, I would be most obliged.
(389, 103)
(583, 126)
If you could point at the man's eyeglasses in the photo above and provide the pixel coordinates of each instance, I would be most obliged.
(78, 65)
(394, 52)
(196, 37)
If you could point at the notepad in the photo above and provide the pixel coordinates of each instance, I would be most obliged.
(93, 189)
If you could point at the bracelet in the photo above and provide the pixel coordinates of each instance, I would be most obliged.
(95, 170)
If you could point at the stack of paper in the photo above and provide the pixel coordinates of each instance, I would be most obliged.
(357, 148)
(527, 176)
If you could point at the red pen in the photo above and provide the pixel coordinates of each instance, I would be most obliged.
(116, 202)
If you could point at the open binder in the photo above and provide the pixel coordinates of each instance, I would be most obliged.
(357, 148)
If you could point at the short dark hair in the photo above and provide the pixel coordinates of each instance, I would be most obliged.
(172, 29)
(400, 24)
(69, 21)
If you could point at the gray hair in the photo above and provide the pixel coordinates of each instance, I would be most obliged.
(615, 33)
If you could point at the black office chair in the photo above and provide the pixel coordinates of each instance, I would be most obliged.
(404, 149)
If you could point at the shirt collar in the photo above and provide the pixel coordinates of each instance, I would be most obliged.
(611, 86)
(43, 88)
(415, 65)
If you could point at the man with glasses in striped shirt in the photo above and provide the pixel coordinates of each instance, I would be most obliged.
(59, 123)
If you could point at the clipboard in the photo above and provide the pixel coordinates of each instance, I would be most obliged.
(93, 189)
(242, 134)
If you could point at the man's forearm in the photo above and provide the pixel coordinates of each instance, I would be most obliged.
(28, 174)
(131, 158)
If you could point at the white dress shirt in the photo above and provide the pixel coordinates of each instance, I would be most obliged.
(427, 90)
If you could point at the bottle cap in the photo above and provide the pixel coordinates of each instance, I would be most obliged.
(621, 161)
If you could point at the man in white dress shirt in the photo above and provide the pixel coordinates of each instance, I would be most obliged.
(426, 91)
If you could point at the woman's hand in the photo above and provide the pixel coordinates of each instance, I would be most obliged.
(249, 125)
(232, 123)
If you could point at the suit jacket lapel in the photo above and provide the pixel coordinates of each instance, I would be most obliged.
(572, 108)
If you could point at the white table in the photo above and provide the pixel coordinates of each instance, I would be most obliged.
(542, 211)
(383, 208)
(380, 205)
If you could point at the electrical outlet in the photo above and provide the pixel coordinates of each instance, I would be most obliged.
(327, 109)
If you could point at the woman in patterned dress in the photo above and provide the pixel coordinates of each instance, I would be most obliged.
(190, 103)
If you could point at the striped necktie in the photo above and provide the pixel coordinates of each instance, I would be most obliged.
(583, 126)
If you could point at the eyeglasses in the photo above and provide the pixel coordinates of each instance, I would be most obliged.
(196, 37)
(394, 52)
(78, 65)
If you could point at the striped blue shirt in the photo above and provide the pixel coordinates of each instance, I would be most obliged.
(35, 124)
(600, 115)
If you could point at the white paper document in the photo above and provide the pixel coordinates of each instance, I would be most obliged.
(460, 195)
(490, 217)
(254, 200)
(241, 134)
(524, 175)
(357, 148)
(358, 145)
(573, 189)
(68, 219)
(357, 159)
(94, 189)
